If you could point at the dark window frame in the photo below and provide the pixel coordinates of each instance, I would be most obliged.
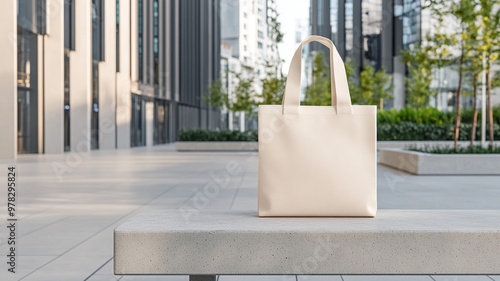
(117, 36)
(140, 39)
(69, 24)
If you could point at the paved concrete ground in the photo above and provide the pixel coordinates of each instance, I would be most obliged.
(69, 205)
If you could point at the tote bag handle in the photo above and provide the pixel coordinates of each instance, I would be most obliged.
(341, 98)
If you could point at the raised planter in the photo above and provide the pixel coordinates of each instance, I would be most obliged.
(216, 146)
(419, 163)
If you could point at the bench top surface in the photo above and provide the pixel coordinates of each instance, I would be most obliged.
(239, 242)
(245, 221)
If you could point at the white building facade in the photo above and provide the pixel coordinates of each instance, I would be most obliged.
(94, 74)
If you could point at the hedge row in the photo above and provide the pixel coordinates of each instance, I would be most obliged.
(429, 115)
(211, 135)
(411, 131)
(404, 131)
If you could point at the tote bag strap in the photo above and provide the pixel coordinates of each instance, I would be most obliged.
(341, 98)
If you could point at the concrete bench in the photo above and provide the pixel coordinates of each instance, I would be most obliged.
(210, 243)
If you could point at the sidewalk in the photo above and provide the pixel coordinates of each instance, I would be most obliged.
(69, 205)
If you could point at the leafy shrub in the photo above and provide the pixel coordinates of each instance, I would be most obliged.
(423, 115)
(460, 150)
(410, 131)
(211, 135)
(466, 116)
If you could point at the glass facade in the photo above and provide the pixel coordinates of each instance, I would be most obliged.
(409, 13)
(156, 32)
(97, 55)
(371, 16)
(117, 35)
(98, 30)
(160, 134)
(140, 39)
(67, 146)
(69, 24)
(27, 94)
(94, 114)
(137, 122)
(349, 26)
(333, 19)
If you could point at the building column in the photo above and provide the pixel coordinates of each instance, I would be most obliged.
(398, 78)
(80, 80)
(107, 82)
(123, 77)
(8, 83)
(54, 79)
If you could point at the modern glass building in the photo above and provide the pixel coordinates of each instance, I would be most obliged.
(95, 74)
(370, 32)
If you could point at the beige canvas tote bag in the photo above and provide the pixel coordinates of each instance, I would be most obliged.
(317, 160)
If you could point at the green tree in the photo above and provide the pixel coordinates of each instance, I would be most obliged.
(318, 93)
(418, 84)
(217, 95)
(273, 86)
(490, 35)
(352, 79)
(474, 65)
(244, 93)
(463, 12)
(374, 86)
(243, 98)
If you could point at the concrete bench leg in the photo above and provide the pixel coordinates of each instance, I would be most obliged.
(202, 277)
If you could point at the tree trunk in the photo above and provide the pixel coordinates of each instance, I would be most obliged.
(490, 108)
(457, 103)
(474, 113)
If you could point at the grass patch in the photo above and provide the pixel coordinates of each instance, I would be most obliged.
(478, 149)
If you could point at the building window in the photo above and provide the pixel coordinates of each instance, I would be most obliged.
(160, 134)
(66, 102)
(27, 97)
(259, 45)
(117, 35)
(140, 41)
(98, 30)
(137, 122)
(244, 26)
(94, 115)
(69, 24)
(31, 15)
(260, 34)
(244, 15)
(155, 40)
(245, 48)
(259, 22)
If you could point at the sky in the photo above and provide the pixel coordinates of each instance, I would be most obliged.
(290, 14)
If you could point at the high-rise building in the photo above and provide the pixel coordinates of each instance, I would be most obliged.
(370, 32)
(95, 74)
(244, 29)
(373, 32)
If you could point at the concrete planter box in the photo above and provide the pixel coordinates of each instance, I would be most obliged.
(419, 163)
(216, 146)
